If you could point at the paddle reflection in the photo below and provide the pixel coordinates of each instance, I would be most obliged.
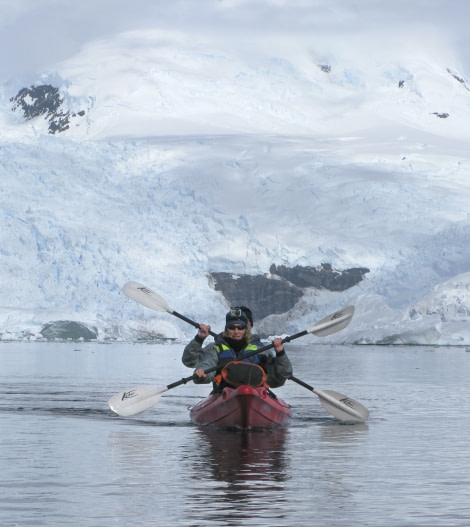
(235, 457)
(344, 434)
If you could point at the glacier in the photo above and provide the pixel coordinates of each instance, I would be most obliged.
(194, 157)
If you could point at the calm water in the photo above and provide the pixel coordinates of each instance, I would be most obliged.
(66, 459)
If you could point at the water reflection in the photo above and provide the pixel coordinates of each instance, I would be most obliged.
(134, 451)
(241, 470)
(236, 457)
(334, 434)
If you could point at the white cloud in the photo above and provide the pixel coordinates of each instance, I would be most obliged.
(36, 35)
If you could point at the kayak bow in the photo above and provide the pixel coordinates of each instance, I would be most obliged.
(243, 408)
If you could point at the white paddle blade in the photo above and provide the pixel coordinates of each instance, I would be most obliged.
(135, 400)
(333, 323)
(342, 406)
(145, 296)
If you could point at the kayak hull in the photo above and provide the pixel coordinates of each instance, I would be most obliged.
(243, 408)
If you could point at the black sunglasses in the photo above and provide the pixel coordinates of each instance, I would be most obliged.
(236, 327)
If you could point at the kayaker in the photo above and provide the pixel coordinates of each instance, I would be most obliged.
(192, 354)
(231, 345)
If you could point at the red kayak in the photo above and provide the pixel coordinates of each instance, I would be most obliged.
(243, 408)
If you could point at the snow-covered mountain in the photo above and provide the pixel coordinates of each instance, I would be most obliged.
(173, 159)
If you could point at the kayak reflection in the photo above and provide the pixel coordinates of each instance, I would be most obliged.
(236, 456)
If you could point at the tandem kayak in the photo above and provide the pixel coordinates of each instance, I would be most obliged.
(243, 408)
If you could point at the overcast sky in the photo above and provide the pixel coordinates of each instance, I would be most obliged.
(36, 35)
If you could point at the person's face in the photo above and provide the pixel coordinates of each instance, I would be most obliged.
(236, 331)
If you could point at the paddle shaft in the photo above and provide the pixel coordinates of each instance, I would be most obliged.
(302, 383)
(188, 320)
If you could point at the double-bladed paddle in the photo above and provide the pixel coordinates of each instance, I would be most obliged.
(140, 398)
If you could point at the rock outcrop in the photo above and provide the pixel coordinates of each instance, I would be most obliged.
(279, 292)
(321, 277)
(68, 330)
(45, 100)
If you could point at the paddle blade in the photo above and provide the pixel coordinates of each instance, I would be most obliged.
(135, 400)
(333, 323)
(342, 406)
(145, 296)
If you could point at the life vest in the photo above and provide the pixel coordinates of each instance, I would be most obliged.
(226, 354)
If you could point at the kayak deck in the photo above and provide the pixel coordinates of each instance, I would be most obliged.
(242, 408)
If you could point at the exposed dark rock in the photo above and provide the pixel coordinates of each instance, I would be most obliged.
(458, 78)
(275, 295)
(44, 100)
(441, 115)
(265, 296)
(321, 277)
(68, 330)
(401, 84)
